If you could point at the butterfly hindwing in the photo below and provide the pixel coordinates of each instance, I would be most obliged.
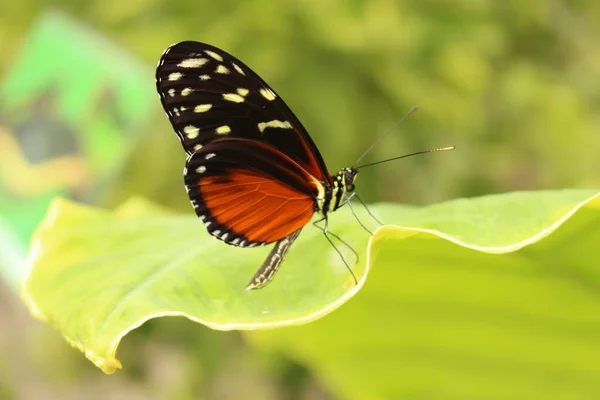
(247, 193)
(210, 95)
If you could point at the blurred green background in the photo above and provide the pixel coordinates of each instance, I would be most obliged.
(514, 85)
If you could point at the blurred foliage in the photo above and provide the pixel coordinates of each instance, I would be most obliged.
(514, 85)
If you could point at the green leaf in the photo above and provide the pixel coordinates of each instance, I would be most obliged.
(96, 275)
(445, 316)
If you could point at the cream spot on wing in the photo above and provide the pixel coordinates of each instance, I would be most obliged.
(171, 92)
(191, 131)
(210, 155)
(175, 76)
(236, 98)
(223, 130)
(193, 62)
(214, 55)
(243, 91)
(201, 169)
(221, 69)
(268, 94)
(202, 108)
(197, 147)
(274, 124)
(186, 91)
(238, 69)
(204, 77)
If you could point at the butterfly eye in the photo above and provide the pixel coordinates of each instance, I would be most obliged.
(350, 187)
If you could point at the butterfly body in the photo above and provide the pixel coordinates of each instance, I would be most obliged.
(253, 174)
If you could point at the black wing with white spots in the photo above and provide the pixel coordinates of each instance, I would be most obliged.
(210, 95)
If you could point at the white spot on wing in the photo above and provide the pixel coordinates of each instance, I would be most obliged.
(191, 131)
(274, 124)
(201, 169)
(197, 147)
(193, 62)
(238, 69)
(214, 55)
(202, 108)
(236, 98)
(268, 94)
(209, 156)
(221, 69)
(186, 91)
(171, 92)
(223, 130)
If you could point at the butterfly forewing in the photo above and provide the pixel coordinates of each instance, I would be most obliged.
(210, 95)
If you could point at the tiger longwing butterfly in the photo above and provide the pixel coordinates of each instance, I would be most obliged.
(253, 174)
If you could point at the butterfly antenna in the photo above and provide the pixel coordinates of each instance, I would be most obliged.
(407, 155)
(408, 114)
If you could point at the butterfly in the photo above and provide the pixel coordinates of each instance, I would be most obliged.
(253, 173)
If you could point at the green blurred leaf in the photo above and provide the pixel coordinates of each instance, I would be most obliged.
(443, 317)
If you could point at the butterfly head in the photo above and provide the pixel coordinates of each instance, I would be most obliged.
(346, 177)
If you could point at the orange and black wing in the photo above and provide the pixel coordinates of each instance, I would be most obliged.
(248, 193)
(210, 95)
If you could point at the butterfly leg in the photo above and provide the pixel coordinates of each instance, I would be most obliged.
(358, 219)
(327, 233)
(368, 211)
